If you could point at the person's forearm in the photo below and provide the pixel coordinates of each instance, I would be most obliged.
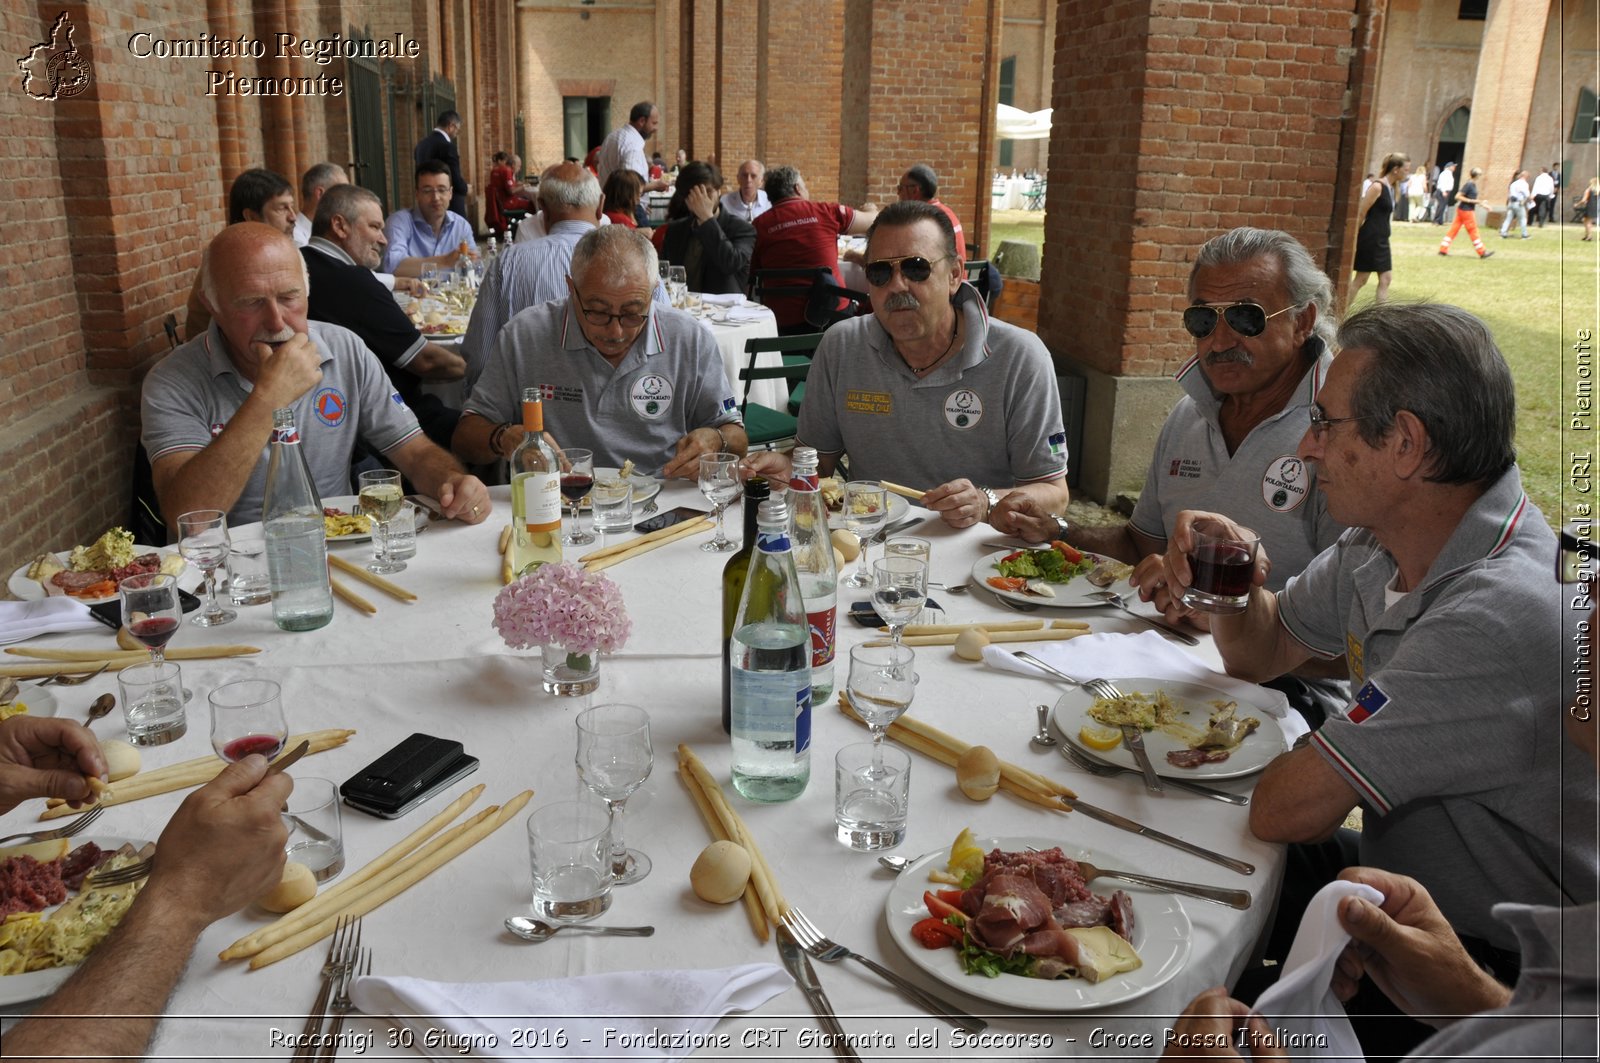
(426, 464)
(474, 435)
(435, 362)
(1112, 540)
(110, 1007)
(734, 439)
(216, 476)
(1052, 497)
(1251, 641)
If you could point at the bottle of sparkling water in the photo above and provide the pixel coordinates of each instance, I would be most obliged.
(756, 491)
(297, 547)
(770, 670)
(535, 493)
(814, 562)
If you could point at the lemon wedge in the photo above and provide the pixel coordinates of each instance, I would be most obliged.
(965, 855)
(1101, 738)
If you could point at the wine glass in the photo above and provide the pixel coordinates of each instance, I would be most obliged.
(899, 589)
(203, 542)
(882, 683)
(614, 758)
(247, 717)
(678, 285)
(150, 610)
(577, 480)
(719, 482)
(381, 497)
(866, 507)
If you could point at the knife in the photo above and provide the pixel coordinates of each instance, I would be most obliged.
(1182, 784)
(1133, 738)
(798, 964)
(1124, 823)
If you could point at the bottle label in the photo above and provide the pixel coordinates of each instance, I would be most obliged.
(541, 500)
(286, 435)
(772, 542)
(768, 707)
(822, 623)
(804, 481)
(802, 720)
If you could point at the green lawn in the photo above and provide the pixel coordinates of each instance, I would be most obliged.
(1535, 295)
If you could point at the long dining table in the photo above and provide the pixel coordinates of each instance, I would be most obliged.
(438, 666)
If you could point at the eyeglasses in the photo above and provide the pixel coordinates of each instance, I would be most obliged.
(913, 268)
(604, 319)
(1321, 422)
(1246, 319)
(1575, 560)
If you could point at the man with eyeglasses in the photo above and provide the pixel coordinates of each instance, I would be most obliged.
(621, 376)
(928, 391)
(1439, 597)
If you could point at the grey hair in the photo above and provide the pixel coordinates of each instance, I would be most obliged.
(618, 254)
(340, 201)
(208, 280)
(1441, 364)
(1307, 284)
(321, 176)
(560, 192)
(781, 182)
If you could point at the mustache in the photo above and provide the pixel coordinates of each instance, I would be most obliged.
(902, 301)
(283, 335)
(1234, 355)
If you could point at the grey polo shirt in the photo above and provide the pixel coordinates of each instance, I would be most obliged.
(189, 397)
(991, 413)
(669, 383)
(1262, 484)
(1453, 739)
(524, 275)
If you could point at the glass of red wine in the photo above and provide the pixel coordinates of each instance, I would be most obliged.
(151, 611)
(1221, 566)
(246, 718)
(577, 480)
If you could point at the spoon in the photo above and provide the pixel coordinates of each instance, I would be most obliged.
(896, 864)
(953, 588)
(102, 705)
(533, 930)
(1044, 739)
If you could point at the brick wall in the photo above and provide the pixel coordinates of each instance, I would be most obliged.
(1502, 96)
(562, 45)
(804, 58)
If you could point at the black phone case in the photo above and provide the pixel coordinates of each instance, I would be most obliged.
(671, 517)
(404, 772)
(460, 768)
(864, 614)
(110, 613)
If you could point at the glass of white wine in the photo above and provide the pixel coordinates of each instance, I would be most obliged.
(381, 496)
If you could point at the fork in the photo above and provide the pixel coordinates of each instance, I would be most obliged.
(1095, 766)
(808, 937)
(359, 967)
(62, 679)
(1121, 602)
(649, 508)
(1132, 737)
(341, 954)
(1016, 606)
(65, 831)
(120, 876)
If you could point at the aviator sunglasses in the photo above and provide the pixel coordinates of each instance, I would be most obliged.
(1246, 319)
(913, 268)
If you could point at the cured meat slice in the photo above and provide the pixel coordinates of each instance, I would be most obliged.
(1193, 758)
(26, 885)
(78, 863)
(1122, 915)
(1094, 911)
(1012, 905)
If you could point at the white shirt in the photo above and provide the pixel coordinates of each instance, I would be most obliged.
(734, 204)
(302, 229)
(1518, 193)
(532, 228)
(1544, 185)
(1417, 184)
(623, 148)
(1447, 182)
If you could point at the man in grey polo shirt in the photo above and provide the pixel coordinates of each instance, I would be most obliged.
(207, 407)
(1439, 598)
(622, 376)
(928, 391)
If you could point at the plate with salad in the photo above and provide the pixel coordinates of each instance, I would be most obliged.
(1054, 575)
(1160, 931)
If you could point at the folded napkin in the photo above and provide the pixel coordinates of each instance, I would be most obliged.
(24, 620)
(649, 1013)
(1302, 1000)
(722, 298)
(744, 315)
(1145, 655)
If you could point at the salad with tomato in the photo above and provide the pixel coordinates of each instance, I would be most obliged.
(1024, 570)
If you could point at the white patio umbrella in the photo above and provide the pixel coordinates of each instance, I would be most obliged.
(1013, 123)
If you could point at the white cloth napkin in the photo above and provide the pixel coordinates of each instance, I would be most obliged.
(633, 1005)
(1302, 999)
(1145, 655)
(744, 315)
(722, 298)
(24, 620)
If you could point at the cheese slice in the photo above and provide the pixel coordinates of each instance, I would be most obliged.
(44, 852)
(1102, 952)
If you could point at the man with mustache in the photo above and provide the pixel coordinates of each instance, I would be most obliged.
(928, 391)
(207, 408)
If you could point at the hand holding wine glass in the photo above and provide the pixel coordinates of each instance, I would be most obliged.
(203, 542)
(247, 717)
(719, 482)
(882, 683)
(614, 759)
(577, 480)
(899, 590)
(381, 497)
(150, 610)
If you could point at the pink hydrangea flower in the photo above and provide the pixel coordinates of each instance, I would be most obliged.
(562, 604)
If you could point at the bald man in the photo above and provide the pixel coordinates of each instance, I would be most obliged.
(207, 408)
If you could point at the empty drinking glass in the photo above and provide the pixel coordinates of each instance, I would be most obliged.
(866, 507)
(203, 542)
(614, 760)
(899, 589)
(719, 482)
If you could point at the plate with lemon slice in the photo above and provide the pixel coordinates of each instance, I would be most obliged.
(1180, 719)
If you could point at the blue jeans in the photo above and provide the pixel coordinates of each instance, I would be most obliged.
(1515, 212)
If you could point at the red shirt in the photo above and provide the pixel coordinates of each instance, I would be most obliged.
(955, 222)
(797, 233)
(502, 196)
(622, 217)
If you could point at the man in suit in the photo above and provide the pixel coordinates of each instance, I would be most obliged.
(441, 145)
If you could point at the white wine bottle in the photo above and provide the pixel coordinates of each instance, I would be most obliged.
(535, 493)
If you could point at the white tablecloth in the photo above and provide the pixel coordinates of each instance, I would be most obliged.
(1010, 193)
(437, 666)
(730, 337)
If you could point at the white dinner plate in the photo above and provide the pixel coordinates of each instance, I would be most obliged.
(1161, 936)
(644, 488)
(1071, 713)
(41, 701)
(1076, 593)
(31, 985)
(898, 508)
(31, 590)
(352, 504)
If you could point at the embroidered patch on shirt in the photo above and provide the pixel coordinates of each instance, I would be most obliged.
(651, 395)
(330, 406)
(1184, 468)
(728, 404)
(1058, 444)
(1369, 699)
(394, 397)
(1352, 656)
(1285, 484)
(963, 409)
(874, 402)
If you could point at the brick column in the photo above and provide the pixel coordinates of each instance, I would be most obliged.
(1502, 95)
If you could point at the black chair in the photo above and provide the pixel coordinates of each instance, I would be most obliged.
(144, 510)
(978, 277)
(765, 283)
(828, 304)
(764, 425)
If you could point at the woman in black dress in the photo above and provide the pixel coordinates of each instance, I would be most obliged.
(1372, 239)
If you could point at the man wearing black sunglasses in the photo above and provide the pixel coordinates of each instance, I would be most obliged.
(929, 391)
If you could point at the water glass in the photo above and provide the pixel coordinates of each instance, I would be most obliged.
(719, 482)
(614, 759)
(866, 507)
(152, 703)
(316, 837)
(899, 589)
(612, 503)
(909, 546)
(1221, 566)
(247, 564)
(569, 848)
(871, 794)
(678, 285)
(403, 532)
(203, 542)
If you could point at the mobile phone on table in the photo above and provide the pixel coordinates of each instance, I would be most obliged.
(864, 614)
(407, 775)
(109, 612)
(668, 518)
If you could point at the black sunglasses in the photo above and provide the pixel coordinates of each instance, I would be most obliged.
(913, 268)
(1246, 319)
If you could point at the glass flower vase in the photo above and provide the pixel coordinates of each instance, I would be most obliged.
(568, 674)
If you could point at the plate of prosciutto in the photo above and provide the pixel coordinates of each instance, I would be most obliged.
(90, 573)
(1028, 932)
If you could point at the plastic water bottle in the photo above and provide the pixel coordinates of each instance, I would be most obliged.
(813, 561)
(770, 670)
(297, 546)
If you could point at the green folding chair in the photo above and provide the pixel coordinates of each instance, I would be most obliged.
(764, 425)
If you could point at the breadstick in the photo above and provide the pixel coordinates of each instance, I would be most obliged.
(1058, 635)
(635, 548)
(904, 492)
(752, 903)
(122, 657)
(255, 941)
(956, 629)
(394, 590)
(760, 871)
(505, 538)
(352, 597)
(624, 547)
(1061, 625)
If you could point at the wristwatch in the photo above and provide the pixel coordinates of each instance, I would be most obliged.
(992, 498)
(1063, 526)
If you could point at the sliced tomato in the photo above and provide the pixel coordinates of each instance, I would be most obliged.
(1007, 583)
(1072, 555)
(951, 896)
(940, 908)
(936, 933)
(1011, 556)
